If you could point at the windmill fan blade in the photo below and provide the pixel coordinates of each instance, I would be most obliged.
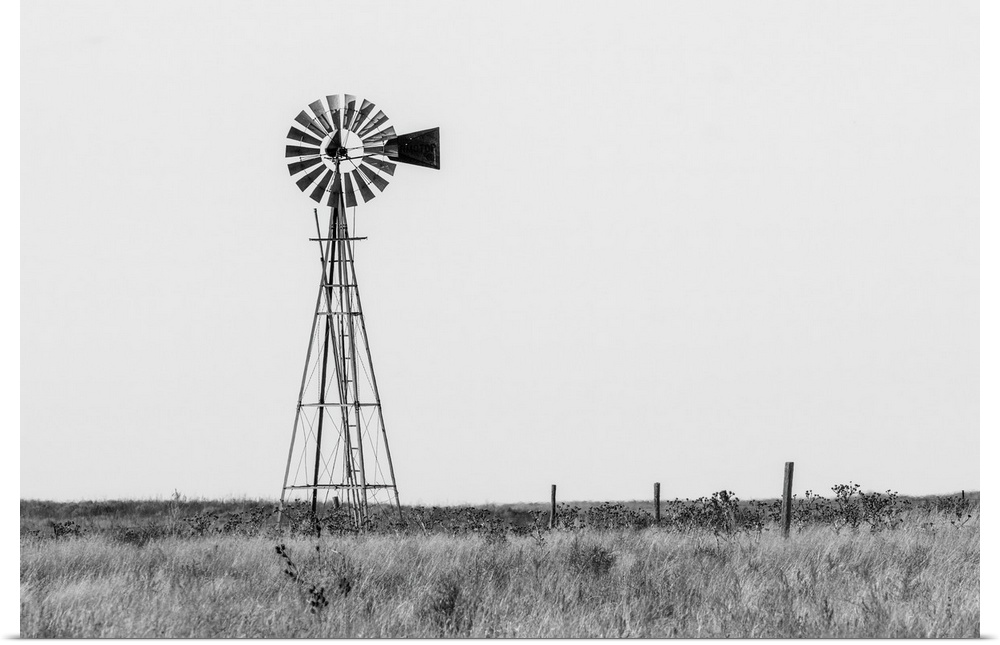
(375, 178)
(349, 193)
(317, 193)
(375, 137)
(376, 121)
(298, 166)
(422, 148)
(320, 112)
(298, 135)
(308, 122)
(349, 111)
(366, 192)
(309, 178)
(385, 166)
(298, 151)
(335, 191)
(366, 108)
(336, 104)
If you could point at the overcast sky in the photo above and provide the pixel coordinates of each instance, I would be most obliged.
(674, 242)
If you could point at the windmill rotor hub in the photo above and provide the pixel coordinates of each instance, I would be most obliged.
(343, 147)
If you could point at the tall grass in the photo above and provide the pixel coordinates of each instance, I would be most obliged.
(920, 579)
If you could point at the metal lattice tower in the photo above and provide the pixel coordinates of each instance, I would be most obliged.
(339, 450)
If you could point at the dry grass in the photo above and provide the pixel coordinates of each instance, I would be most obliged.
(914, 581)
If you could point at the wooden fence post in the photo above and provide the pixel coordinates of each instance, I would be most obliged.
(786, 500)
(552, 509)
(656, 501)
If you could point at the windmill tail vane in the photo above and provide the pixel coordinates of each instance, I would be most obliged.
(339, 465)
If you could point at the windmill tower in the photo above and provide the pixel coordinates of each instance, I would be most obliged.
(341, 148)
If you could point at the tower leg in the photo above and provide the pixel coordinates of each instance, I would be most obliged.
(322, 400)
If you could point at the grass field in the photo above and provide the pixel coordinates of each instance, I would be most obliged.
(156, 571)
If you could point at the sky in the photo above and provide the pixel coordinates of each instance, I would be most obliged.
(676, 242)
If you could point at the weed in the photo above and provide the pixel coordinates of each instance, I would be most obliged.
(881, 511)
(68, 529)
(314, 593)
(201, 523)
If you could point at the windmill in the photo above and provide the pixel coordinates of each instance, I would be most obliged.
(340, 148)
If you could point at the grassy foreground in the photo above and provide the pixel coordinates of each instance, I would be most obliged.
(920, 579)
